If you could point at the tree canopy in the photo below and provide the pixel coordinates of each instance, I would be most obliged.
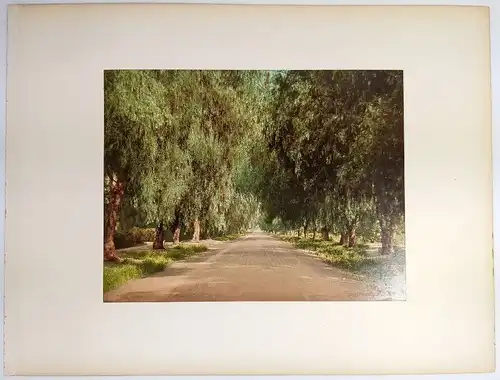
(223, 151)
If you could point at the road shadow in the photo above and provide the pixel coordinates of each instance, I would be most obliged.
(172, 272)
(260, 238)
(181, 267)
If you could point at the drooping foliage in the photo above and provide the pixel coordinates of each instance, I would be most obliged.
(220, 151)
(336, 143)
(174, 141)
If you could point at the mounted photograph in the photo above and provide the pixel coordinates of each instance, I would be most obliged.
(253, 185)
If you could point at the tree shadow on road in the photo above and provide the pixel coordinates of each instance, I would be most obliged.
(260, 238)
(172, 272)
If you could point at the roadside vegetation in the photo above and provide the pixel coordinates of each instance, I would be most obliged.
(136, 264)
(351, 258)
(364, 259)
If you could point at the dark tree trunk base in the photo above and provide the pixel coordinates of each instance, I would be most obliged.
(343, 238)
(386, 235)
(157, 245)
(159, 237)
(177, 235)
(111, 257)
(351, 240)
(117, 190)
(196, 231)
(325, 234)
(387, 247)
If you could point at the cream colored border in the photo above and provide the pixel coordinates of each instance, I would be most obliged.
(56, 322)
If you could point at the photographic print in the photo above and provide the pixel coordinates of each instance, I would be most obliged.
(253, 185)
(248, 190)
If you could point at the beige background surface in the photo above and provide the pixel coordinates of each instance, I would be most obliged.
(56, 322)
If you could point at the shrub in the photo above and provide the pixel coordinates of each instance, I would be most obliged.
(124, 240)
(348, 259)
(154, 264)
(134, 236)
(141, 235)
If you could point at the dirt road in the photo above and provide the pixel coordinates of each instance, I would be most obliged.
(257, 267)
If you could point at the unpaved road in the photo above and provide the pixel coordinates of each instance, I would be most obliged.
(257, 267)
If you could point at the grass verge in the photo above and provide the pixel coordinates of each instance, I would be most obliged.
(354, 259)
(139, 264)
(387, 271)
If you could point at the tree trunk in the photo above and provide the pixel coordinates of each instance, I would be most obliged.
(298, 232)
(196, 230)
(314, 233)
(116, 192)
(159, 237)
(325, 233)
(177, 234)
(386, 215)
(351, 237)
(386, 234)
(176, 227)
(343, 238)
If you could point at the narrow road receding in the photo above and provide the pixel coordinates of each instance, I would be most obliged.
(257, 267)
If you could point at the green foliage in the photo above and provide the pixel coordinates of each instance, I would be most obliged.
(134, 116)
(124, 240)
(180, 138)
(141, 263)
(335, 151)
(369, 228)
(237, 149)
(135, 265)
(116, 275)
(353, 259)
(134, 236)
(183, 251)
(142, 235)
